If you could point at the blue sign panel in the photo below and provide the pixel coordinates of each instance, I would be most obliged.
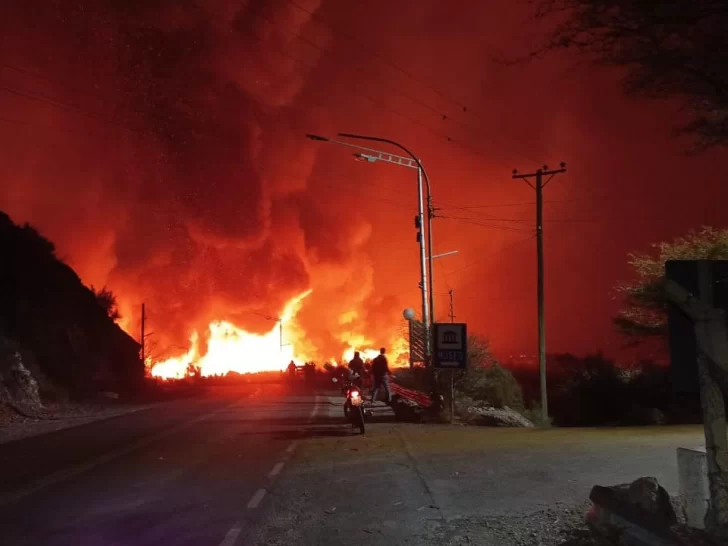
(450, 346)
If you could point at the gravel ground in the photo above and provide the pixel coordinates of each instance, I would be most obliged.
(434, 485)
(560, 525)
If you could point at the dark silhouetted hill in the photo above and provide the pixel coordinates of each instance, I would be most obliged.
(57, 322)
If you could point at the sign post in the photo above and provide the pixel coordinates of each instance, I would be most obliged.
(451, 353)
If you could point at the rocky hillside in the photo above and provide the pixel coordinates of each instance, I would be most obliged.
(56, 323)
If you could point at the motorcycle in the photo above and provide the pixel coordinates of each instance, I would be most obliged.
(354, 410)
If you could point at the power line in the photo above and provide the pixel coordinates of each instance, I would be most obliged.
(523, 221)
(65, 85)
(461, 107)
(358, 92)
(93, 115)
(479, 223)
(506, 248)
(51, 101)
(98, 117)
(592, 199)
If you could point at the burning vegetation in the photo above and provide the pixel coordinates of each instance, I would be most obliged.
(161, 178)
(232, 349)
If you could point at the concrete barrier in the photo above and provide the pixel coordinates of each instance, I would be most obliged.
(692, 470)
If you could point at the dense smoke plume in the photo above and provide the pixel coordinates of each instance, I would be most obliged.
(167, 160)
(160, 144)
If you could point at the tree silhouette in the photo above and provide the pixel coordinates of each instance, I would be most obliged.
(107, 300)
(676, 49)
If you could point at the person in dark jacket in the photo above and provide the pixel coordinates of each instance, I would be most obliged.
(356, 366)
(380, 372)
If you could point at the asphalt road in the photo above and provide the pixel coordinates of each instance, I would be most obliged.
(192, 472)
(260, 465)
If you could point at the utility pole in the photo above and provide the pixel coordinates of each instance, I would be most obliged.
(143, 339)
(420, 227)
(452, 305)
(540, 185)
(280, 328)
(430, 216)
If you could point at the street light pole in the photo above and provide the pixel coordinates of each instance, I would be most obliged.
(420, 224)
(412, 162)
(421, 173)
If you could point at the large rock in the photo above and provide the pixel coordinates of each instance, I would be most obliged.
(639, 513)
(496, 417)
(651, 497)
(18, 387)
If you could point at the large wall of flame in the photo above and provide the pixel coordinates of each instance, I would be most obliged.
(160, 144)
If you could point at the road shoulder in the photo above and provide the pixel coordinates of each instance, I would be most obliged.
(443, 485)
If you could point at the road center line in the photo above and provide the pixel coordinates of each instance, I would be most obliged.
(231, 536)
(255, 501)
(315, 410)
(292, 447)
(276, 469)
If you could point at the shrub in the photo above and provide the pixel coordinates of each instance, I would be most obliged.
(485, 380)
(595, 391)
(533, 414)
(591, 393)
(492, 384)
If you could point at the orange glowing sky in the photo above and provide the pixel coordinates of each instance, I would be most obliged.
(161, 147)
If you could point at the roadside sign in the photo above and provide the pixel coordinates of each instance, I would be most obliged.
(451, 346)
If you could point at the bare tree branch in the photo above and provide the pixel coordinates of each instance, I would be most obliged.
(676, 49)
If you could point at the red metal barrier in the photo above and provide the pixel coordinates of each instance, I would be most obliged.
(418, 397)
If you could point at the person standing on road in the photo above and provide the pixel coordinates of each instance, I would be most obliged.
(380, 371)
(292, 370)
(356, 366)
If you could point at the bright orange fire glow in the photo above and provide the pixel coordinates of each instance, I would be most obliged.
(232, 349)
(397, 352)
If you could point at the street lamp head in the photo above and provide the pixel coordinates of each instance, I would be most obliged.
(409, 314)
(316, 137)
(365, 157)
